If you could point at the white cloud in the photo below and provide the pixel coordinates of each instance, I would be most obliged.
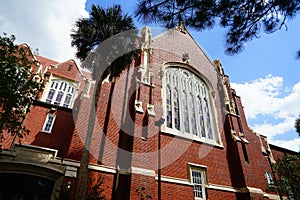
(263, 100)
(259, 96)
(45, 25)
(289, 144)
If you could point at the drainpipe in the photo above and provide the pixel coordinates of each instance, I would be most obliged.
(159, 123)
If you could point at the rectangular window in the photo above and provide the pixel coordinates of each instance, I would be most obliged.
(198, 180)
(269, 179)
(48, 125)
(67, 101)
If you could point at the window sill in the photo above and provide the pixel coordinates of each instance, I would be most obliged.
(188, 136)
(47, 132)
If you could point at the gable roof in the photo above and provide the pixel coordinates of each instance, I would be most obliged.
(67, 69)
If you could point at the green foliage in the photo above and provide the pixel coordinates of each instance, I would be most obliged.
(297, 125)
(99, 26)
(95, 192)
(288, 170)
(142, 193)
(105, 49)
(18, 86)
(90, 37)
(244, 19)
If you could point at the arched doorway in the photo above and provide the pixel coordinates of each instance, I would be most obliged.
(14, 186)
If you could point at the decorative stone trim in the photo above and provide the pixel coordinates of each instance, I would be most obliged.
(255, 190)
(197, 165)
(150, 110)
(141, 171)
(71, 172)
(102, 168)
(226, 188)
(76, 164)
(273, 196)
(138, 106)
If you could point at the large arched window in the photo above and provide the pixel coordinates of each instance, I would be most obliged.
(187, 104)
(60, 93)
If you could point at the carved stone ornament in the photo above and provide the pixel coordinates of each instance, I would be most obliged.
(185, 57)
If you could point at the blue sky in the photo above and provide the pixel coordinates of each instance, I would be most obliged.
(265, 74)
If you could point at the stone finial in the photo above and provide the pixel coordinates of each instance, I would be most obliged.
(181, 27)
(218, 66)
(146, 39)
(145, 68)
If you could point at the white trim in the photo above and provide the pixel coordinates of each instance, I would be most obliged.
(197, 165)
(168, 179)
(90, 166)
(66, 162)
(102, 168)
(189, 136)
(141, 171)
(174, 180)
(71, 172)
(255, 190)
(225, 188)
(274, 196)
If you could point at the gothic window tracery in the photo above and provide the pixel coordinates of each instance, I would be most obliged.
(187, 103)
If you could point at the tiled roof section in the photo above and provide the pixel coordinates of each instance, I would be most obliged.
(30, 56)
(45, 61)
(67, 69)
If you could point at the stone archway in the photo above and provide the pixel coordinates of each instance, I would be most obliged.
(27, 172)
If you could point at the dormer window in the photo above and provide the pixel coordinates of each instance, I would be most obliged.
(60, 93)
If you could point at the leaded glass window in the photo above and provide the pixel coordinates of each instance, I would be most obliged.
(176, 110)
(187, 103)
(169, 107)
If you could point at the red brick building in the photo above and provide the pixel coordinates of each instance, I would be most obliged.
(170, 127)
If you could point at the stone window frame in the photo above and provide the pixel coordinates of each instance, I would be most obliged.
(48, 125)
(216, 139)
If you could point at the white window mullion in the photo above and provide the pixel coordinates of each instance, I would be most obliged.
(191, 107)
(186, 122)
(196, 93)
(181, 88)
(201, 116)
(172, 106)
(208, 125)
(169, 116)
